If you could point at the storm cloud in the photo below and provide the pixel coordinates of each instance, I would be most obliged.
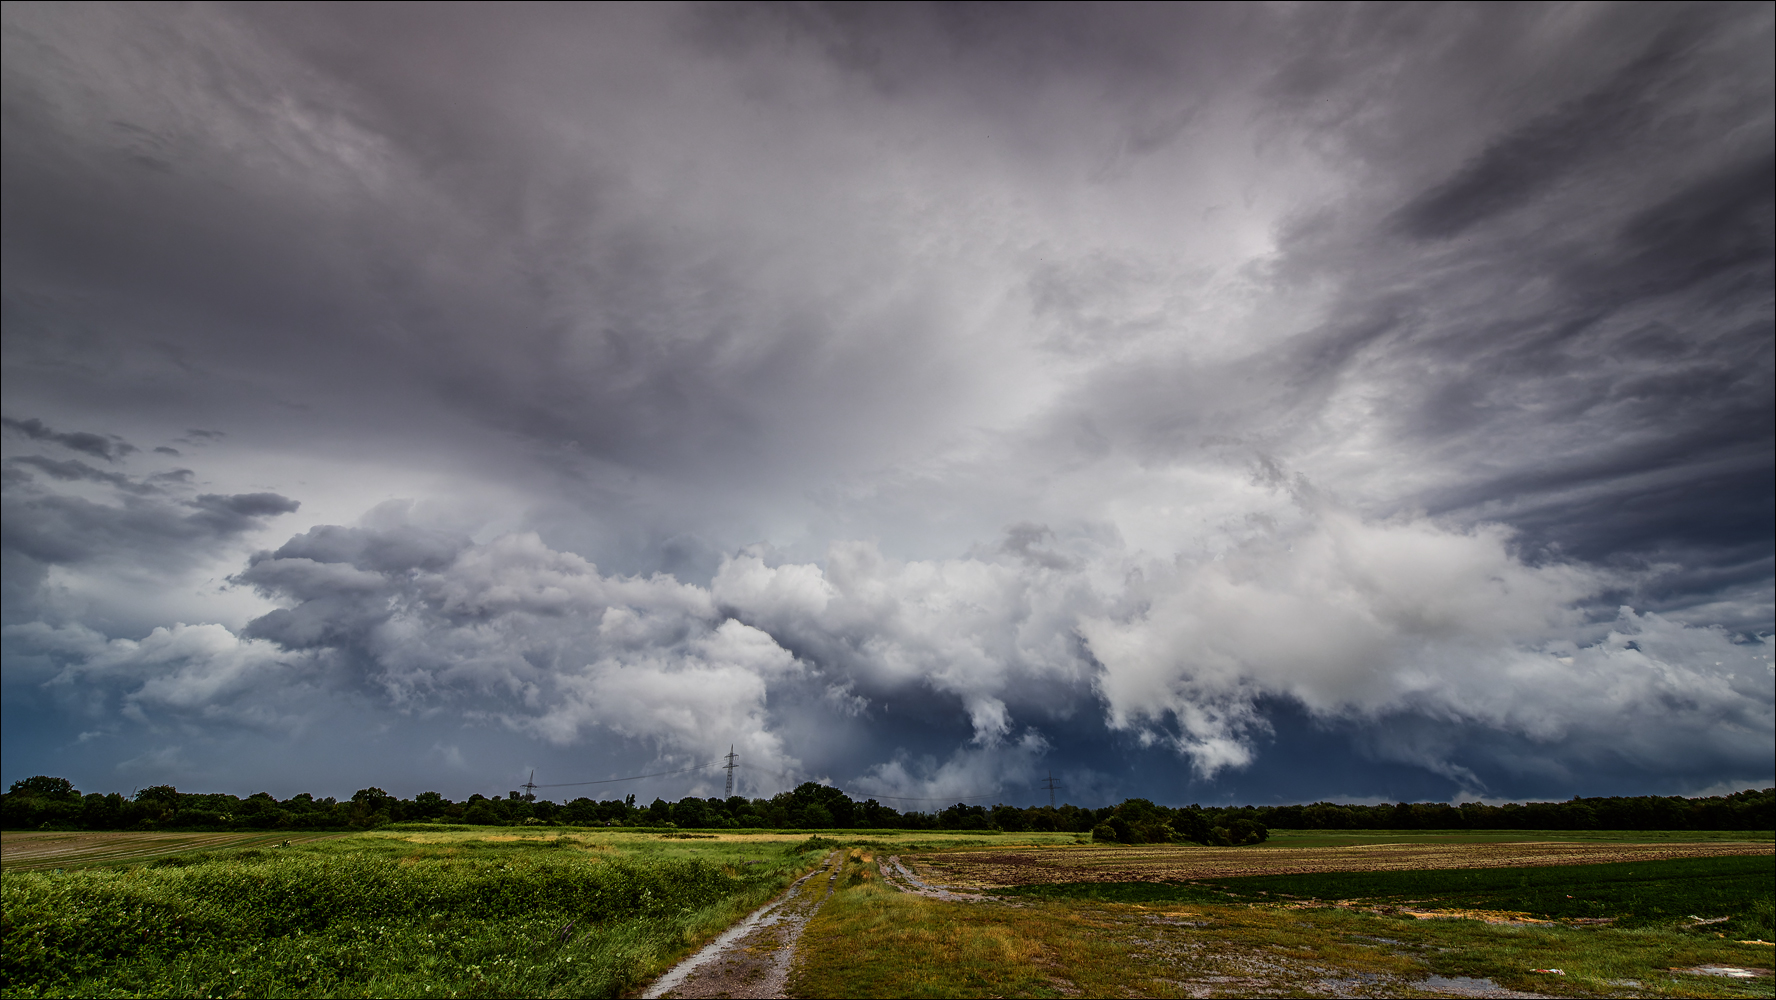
(919, 397)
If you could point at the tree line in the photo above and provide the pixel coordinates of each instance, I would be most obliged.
(45, 802)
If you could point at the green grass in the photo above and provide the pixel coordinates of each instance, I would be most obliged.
(1634, 894)
(388, 914)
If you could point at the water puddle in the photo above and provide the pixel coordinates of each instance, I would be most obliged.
(1729, 971)
(1470, 986)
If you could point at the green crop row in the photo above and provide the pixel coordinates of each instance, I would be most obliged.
(265, 923)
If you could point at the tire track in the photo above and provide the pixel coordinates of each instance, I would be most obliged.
(753, 957)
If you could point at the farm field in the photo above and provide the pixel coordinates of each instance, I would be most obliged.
(432, 910)
(1355, 838)
(987, 869)
(33, 850)
(1240, 937)
(440, 912)
(1734, 891)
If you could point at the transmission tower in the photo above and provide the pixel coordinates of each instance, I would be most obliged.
(1049, 783)
(530, 786)
(728, 793)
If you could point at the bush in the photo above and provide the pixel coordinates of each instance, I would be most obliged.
(815, 843)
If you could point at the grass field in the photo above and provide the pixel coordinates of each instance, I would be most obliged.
(1104, 939)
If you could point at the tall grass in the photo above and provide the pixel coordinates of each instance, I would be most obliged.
(259, 923)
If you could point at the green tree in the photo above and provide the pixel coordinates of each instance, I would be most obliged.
(46, 787)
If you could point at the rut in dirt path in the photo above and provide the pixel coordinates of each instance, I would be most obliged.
(752, 958)
(898, 876)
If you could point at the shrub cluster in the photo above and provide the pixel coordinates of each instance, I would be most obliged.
(1747, 810)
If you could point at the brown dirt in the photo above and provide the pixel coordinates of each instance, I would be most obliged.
(752, 959)
(35, 850)
(899, 877)
(966, 870)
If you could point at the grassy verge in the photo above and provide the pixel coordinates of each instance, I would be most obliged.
(401, 914)
(1046, 941)
(870, 941)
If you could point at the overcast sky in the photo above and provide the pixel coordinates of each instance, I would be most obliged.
(1205, 402)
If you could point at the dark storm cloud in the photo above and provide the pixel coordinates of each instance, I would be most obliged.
(1592, 352)
(1543, 152)
(1122, 383)
(231, 514)
(139, 526)
(1659, 345)
(63, 530)
(75, 469)
(108, 448)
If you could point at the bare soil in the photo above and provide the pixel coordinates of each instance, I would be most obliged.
(34, 850)
(753, 958)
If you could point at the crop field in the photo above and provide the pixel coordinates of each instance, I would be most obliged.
(989, 869)
(33, 850)
(471, 912)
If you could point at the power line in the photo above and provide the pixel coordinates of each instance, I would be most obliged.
(633, 777)
(896, 798)
(766, 770)
(931, 798)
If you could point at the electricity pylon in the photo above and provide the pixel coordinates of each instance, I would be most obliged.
(530, 786)
(728, 793)
(1049, 783)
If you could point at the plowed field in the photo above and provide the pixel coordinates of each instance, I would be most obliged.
(985, 870)
(33, 850)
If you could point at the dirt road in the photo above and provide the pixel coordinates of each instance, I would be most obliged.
(752, 958)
